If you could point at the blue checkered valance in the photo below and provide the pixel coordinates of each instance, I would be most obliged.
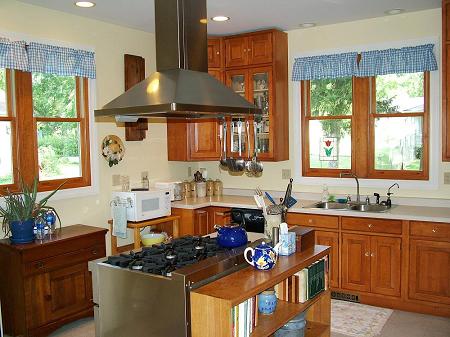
(61, 61)
(397, 61)
(324, 66)
(13, 54)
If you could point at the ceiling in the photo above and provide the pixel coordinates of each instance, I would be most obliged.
(246, 15)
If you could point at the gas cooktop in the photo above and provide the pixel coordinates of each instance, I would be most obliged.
(162, 259)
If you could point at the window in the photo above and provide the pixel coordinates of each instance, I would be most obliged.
(46, 129)
(373, 126)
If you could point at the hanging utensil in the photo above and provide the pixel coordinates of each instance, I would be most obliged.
(288, 193)
(240, 162)
(248, 162)
(256, 167)
(223, 145)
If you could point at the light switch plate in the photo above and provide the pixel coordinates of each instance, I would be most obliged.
(144, 175)
(286, 174)
(189, 171)
(447, 178)
(116, 180)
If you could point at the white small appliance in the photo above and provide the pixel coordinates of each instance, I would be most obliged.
(175, 187)
(145, 205)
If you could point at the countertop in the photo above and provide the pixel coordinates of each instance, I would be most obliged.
(419, 213)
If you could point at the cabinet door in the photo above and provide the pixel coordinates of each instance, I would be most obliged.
(260, 81)
(218, 216)
(356, 262)
(331, 239)
(201, 223)
(260, 48)
(58, 293)
(236, 53)
(385, 266)
(429, 271)
(214, 53)
(204, 140)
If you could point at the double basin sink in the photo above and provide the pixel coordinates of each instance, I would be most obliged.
(350, 207)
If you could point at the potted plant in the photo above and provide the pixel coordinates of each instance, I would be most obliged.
(21, 209)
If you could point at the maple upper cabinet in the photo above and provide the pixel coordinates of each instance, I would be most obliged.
(215, 53)
(252, 49)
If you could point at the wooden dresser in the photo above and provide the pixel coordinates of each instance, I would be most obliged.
(44, 285)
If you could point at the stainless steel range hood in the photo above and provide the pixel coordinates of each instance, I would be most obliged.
(181, 87)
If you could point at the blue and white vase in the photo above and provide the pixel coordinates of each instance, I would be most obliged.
(267, 302)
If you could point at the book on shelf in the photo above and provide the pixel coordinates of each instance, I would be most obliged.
(305, 284)
(244, 317)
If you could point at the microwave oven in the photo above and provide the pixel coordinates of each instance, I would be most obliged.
(145, 205)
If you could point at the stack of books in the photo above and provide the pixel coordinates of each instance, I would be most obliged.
(245, 317)
(305, 284)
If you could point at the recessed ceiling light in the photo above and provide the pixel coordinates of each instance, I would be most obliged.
(84, 4)
(307, 25)
(394, 11)
(220, 18)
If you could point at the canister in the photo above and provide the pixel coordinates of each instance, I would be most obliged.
(218, 187)
(209, 187)
(193, 188)
(187, 189)
(201, 189)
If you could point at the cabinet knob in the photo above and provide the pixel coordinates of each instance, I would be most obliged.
(245, 50)
(94, 251)
(372, 254)
(434, 230)
(310, 220)
(367, 254)
(217, 53)
(40, 265)
(369, 225)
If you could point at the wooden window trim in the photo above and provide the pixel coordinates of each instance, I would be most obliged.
(400, 174)
(362, 136)
(305, 118)
(25, 159)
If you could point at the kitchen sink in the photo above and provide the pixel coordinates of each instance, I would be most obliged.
(349, 207)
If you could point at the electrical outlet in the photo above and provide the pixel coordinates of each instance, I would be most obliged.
(447, 178)
(286, 174)
(189, 171)
(144, 175)
(116, 180)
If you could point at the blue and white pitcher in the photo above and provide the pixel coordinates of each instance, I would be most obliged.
(263, 257)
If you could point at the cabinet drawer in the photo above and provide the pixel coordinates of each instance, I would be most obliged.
(55, 262)
(313, 220)
(438, 230)
(372, 225)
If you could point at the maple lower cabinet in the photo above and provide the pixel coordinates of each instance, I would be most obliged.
(330, 239)
(47, 284)
(371, 264)
(429, 271)
(218, 216)
(356, 262)
(201, 221)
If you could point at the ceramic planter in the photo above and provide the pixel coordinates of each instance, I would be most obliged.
(22, 231)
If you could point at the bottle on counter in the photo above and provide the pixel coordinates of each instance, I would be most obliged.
(325, 193)
(218, 187)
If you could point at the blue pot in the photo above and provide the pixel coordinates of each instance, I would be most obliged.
(231, 236)
(267, 302)
(263, 256)
(22, 231)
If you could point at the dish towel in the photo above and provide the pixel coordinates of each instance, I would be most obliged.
(119, 220)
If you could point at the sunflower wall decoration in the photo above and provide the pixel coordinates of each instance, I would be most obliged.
(113, 149)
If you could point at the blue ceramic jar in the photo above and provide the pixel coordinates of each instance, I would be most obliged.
(267, 302)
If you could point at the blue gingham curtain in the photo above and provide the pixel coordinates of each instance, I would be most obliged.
(13, 54)
(324, 66)
(397, 61)
(61, 61)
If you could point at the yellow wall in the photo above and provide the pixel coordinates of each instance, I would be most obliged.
(110, 43)
(410, 26)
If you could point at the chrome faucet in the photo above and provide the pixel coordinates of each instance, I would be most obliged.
(344, 174)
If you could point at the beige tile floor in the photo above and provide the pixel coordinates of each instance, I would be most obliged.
(400, 324)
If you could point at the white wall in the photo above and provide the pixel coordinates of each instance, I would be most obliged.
(110, 43)
(340, 37)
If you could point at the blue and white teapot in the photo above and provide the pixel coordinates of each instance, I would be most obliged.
(263, 256)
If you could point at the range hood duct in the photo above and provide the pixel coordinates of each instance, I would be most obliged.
(181, 87)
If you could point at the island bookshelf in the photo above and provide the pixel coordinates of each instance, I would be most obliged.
(211, 304)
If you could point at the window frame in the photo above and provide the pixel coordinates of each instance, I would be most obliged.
(25, 148)
(363, 133)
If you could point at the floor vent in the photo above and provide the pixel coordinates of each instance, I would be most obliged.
(344, 297)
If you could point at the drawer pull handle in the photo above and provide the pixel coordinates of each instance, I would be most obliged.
(310, 220)
(369, 225)
(94, 251)
(40, 265)
(434, 230)
(372, 254)
(366, 254)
